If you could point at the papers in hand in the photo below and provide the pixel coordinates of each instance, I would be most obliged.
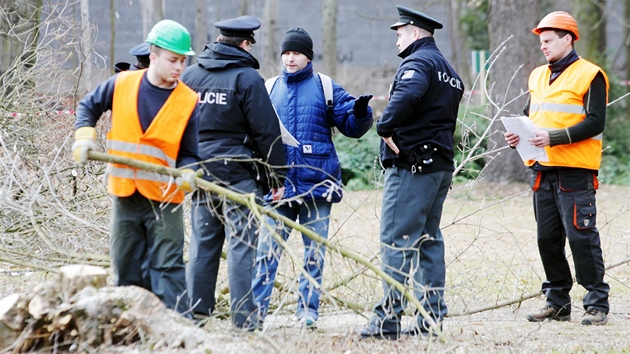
(525, 129)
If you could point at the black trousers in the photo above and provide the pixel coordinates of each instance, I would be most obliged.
(564, 207)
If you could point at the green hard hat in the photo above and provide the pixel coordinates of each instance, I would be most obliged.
(172, 36)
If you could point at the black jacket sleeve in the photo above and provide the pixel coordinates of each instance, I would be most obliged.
(265, 129)
(406, 95)
(94, 104)
(188, 155)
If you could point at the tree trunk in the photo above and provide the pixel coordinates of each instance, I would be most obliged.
(201, 27)
(152, 13)
(112, 38)
(18, 43)
(627, 45)
(510, 18)
(217, 11)
(243, 8)
(270, 57)
(86, 47)
(329, 23)
(458, 43)
(591, 18)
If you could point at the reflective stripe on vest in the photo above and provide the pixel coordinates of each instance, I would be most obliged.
(140, 149)
(137, 174)
(556, 107)
(159, 144)
(560, 106)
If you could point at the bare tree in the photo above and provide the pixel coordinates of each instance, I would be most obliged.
(18, 39)
(627, 44)
(626, 32)
(513, 20)
(86, 46)
(201, 26)
(329, 50)
(457, 40)
(243, 8)
(152, 12)
(112, 38)
(591, 18)
(270, 29)
(35, 124)
(217, 10)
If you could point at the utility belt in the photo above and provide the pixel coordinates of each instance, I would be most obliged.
(418, 161)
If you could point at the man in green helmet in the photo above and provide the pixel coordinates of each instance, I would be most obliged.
(154, 119)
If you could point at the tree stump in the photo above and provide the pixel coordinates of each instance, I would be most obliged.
(10, 319)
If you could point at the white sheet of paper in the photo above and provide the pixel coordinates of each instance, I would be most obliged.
(287, 138)
(525, 129)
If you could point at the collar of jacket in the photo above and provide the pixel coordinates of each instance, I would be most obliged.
(559, 66)
(300, 75)
(425, 42)
(221, 55)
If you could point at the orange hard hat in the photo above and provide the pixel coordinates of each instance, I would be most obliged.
(558, 20)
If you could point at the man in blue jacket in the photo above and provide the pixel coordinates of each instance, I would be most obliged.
(417, 153)
(237, 123)
(313, 182)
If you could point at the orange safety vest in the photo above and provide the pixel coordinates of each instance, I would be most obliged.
(159, 144)
(561, 105)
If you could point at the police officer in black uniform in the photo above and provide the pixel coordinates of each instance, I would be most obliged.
(141, 52)
(237, 123)
(417, 153)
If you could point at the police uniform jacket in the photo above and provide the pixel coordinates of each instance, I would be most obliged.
(315, 172)
(422, 108)
(237, 120)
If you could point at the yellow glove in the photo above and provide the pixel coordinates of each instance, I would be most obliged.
(186, 183)
(84, 141)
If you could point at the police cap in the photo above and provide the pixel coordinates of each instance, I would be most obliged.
(242, 26)
(141, 50)
(408, 16)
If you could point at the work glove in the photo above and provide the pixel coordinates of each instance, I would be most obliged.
(186, 182)
(361, 105)
(84, 141)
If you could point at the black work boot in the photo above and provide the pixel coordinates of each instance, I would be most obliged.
(594, 316)
(376, 331)
(550, 313)
(423, 329)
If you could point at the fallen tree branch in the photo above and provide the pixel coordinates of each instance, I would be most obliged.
(520, 299)
(246, 199)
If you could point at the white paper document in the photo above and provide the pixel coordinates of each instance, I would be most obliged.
(287, 138)
(525, 129)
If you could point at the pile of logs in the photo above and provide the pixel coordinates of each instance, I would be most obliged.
(78, 311)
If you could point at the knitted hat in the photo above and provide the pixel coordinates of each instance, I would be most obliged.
(298, 40)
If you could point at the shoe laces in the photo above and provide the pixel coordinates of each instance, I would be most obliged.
(593, 312)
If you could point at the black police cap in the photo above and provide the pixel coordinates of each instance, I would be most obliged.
(141, 50)
(408, 16)
(242, 26)
(121, 66)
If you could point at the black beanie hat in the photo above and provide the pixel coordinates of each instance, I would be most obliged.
(298, 40)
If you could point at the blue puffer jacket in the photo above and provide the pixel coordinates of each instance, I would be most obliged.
(314, 167)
